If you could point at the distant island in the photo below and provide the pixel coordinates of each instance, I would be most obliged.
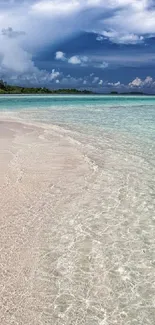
(9, 89)
(128, 93)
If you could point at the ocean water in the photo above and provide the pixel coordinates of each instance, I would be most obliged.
(116, 217)
(134, 114)
(130, 118)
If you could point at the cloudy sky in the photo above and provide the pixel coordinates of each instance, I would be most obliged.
(97, 44)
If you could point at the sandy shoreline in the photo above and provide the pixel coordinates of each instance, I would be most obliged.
(76, 247)
(40, 174)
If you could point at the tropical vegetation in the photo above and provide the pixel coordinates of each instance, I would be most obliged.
(9, 89)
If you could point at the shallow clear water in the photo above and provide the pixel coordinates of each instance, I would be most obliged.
(125, 113)
(128, 120)
(130, 116)
(113, 213)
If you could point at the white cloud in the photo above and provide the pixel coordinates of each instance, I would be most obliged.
(54, 74)
(81, 83)
(117, 84)
(34, 78)
(16, 63)
(36, 24)
(114, 84)
(136, 82)
(40, 20)
(135, 18)
(148, 84)
(148, 80)
(78, 59)
(60, 56)
(81, 60)
(75, 60)
(139, 83)
(13, 57)
(99, 38)
(59, 7)
(40, 78)
(123, 38)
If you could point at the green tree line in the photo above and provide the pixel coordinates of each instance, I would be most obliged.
(9, 89)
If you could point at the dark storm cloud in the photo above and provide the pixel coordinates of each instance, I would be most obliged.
(37, 25)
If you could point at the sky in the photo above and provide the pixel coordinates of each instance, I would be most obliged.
(101, 45)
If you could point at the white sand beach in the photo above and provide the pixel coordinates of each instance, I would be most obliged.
(41, 180)
(72, 241)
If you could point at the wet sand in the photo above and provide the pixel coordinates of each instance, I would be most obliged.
(41, 175)
(66, 256)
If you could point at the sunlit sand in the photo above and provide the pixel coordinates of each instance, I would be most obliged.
(77, 229)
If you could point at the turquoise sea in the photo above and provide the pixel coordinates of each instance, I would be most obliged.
(116, 217)
(129, 116)
(124, 124)
(133, 114)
